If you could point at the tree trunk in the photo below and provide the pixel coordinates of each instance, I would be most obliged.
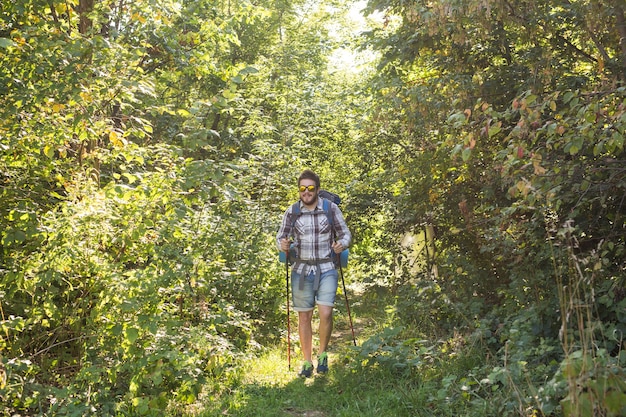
(621, 29)
(84, 8)
(429, 234)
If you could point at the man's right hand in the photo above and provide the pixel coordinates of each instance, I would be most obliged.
(284, 244)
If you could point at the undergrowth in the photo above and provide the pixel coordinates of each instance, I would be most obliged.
(495, 366)
(394, 371)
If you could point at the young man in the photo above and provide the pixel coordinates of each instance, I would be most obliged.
(314, 278)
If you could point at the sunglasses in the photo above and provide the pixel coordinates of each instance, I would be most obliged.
(303, 188)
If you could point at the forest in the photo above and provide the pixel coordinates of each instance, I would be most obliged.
(149, 149)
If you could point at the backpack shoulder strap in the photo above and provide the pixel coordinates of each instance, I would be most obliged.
(329, 213)
(295, 213)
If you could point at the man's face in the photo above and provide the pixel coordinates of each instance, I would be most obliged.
(309, 194)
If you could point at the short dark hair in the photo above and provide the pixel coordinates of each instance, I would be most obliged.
(307, 174)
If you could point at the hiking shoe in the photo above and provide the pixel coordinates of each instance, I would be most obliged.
(322, 363)
(307, 370)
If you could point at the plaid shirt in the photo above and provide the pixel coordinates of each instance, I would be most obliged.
(313, 236)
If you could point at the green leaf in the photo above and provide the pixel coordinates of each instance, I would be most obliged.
(249, 70)
(6, 43)
(13, 235)
(132, 334)
(130, 177)
(618, 140)
(116, 330)
(615, 403)
(567, 97)
(133, 388)
(584, 185)
(493, 130)
(457, 119)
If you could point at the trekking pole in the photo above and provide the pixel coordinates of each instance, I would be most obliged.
(347, 304)
(288, 321)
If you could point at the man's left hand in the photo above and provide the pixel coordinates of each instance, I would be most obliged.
(337, 247)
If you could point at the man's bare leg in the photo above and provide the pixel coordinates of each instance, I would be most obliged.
(306, 333)
(326, 326)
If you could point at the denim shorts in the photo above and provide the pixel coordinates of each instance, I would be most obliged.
(305, 299)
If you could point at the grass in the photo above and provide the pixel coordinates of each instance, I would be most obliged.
(265, 387)
(268, 388)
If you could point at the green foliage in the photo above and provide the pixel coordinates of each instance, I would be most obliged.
(599, 379)
(148, 149)
(386, 350)
(505, 131)
(105, 305)
(143, 172)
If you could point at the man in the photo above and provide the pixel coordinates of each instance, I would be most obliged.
(314, 278)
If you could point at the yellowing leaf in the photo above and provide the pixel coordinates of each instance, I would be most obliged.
(138, 17)
(539, 170)
(133, 388)
(116, 139)
(472, 142)
(86, 96)
(48, 151)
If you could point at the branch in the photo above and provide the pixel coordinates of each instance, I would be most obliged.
(58, 344)
(574, 48)
(53, 12)
(569, 45)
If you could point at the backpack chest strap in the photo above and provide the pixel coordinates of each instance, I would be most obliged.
(314, 263)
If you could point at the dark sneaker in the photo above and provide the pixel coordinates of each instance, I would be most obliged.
(322, 363)
(307, 370)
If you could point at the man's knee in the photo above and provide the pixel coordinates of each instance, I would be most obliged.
(325, 312)
(305, 315)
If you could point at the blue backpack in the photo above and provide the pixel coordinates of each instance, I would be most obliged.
(326, 197)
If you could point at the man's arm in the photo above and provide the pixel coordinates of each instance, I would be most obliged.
(284, 231)
(341, 228)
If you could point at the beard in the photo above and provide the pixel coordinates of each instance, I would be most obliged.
(309, 198)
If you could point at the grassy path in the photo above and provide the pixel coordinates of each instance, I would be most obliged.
(269, 389)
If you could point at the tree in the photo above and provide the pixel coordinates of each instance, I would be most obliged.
(143, 146)
(506, 122)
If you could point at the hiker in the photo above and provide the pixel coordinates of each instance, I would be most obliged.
(314, 277)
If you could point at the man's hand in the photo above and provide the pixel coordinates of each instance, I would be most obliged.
(284, 245)
(337, 247)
